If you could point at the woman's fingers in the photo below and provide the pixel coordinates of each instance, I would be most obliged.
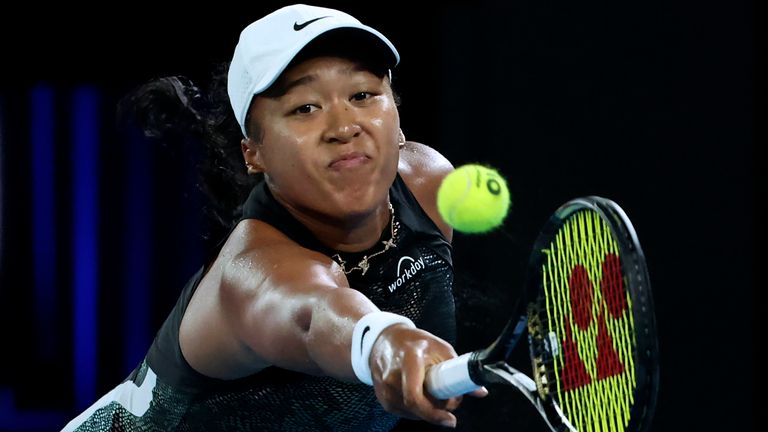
(414, 396)
(400, 360)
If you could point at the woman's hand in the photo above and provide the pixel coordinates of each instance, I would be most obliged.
(399, 361)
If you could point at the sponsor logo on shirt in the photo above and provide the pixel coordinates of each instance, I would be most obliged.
(407, 268)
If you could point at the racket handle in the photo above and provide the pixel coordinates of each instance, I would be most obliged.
(450, 378)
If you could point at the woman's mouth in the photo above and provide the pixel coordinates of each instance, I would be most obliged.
(349, 160)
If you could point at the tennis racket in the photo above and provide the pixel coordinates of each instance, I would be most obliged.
(588, 315)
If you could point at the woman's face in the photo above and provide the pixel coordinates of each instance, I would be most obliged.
(329, 140)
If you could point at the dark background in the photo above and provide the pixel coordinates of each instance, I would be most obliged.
(650, 103)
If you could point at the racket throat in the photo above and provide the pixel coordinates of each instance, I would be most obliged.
(503, 373)
(549, 410)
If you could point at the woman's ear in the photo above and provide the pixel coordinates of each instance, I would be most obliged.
(252, 156)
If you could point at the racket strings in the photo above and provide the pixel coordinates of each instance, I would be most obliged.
(585, 333)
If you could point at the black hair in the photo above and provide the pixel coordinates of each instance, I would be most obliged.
(177, 113)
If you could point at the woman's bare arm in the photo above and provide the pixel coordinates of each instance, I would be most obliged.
(294, 310)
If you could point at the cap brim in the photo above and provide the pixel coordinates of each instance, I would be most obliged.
(353, 41)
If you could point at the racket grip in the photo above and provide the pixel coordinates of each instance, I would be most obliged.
(450, 378)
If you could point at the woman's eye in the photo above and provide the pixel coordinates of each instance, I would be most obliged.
(360, 96)
(305, 109)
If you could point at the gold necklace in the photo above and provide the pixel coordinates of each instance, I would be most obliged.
(363, 265)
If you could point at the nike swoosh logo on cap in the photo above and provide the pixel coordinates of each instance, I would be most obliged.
(297, 26)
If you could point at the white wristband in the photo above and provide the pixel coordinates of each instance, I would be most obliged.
(366, 332)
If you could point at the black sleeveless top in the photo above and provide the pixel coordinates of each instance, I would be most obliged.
(413, 279)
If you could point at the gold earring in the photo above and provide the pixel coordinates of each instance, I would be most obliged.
(401, 139)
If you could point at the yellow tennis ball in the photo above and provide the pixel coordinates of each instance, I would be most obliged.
(473, 199)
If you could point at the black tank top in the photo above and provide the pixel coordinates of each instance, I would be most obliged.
(413, 279)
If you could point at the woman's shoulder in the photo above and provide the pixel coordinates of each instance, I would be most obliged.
(423, 169)
(422, 161)
(257, 238)
(258, 254)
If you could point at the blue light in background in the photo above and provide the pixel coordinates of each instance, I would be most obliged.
(43, 171)
(85, 230)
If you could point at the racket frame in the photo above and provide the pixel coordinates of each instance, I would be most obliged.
(490, 365)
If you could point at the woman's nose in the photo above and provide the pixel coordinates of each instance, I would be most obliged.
(343, 124)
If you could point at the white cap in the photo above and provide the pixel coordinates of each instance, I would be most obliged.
(268, 45)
